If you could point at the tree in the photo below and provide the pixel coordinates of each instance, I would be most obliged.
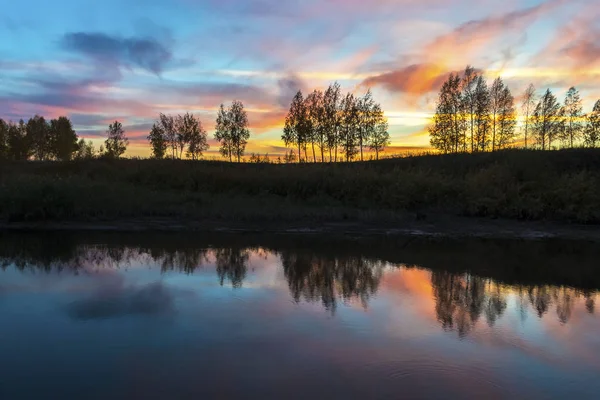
(185, 126)
(546, 120)
(366, 120)
(197, 141)
(18, 144)
(232, 130)
(38, 137)
(239, 128)
(223, 133)
(349, 127)
(296, 124)
(316, 121)
(380, 137)
(85, 150)
(592, 128)
(158, 141)
(527, 106)
(507, 119)
(63, 139)
(446, 130)
(3, 140)
(332, 104)
(469, 90)
(497, 92)
(167, 124)
(481, 115)
(117, 142)
(573, 112)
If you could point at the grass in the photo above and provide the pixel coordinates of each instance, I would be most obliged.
(516, 184)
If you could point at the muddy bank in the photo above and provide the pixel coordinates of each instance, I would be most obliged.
(440, 226)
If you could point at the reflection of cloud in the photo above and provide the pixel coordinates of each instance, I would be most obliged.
(152, 299)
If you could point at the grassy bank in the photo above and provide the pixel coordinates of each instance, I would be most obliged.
(526, 185)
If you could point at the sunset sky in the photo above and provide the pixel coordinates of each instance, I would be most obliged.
(131, 59)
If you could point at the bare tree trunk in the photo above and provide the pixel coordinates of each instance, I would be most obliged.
(494, 133)
(361, 149)
(314, 155)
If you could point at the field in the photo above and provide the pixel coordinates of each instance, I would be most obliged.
(559, 186)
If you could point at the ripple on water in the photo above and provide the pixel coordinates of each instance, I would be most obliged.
(432, 369)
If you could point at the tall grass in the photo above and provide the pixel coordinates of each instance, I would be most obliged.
(518, 184)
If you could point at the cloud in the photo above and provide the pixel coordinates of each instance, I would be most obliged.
(457, 48)
(414, 79)
(146, 53)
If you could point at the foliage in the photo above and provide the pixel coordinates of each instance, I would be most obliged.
(232, 130)
(158, 141)
(592, 128)
(116, 143)
(573, 113)
(546, 120)
(63, 139)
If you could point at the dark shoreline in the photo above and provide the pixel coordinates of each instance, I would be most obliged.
(442, 227)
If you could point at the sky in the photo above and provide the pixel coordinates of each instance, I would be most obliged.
(130, 60)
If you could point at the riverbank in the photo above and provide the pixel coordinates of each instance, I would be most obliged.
(508, 192)
(437, 227)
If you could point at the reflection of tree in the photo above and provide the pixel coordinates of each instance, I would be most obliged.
(186, 260)
(460, 300)
(231, 265)
(326, 279)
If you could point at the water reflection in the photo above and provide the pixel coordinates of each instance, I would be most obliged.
(327, 276)
(462, 299)
(329, 279)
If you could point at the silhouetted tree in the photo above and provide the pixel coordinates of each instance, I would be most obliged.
(85, 150)
(3, 140)
(63, 139)
(232, 130)
(503, 115)
(481, 115)
(573, 113)
(166, 123)
(18, 143)
(158, 141)
(469, 102)
(184, 126)
(197, 141)
(316, 117)
(349, 127)
(38, 137)
(527, 107)
(380, 138)
(546, 120)
(592, 128)
(332, 103)
(366, 120)
(506, 119)
(116, 143)
(446, 130)
(297, 128)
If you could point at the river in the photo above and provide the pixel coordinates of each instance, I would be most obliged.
(101, 315)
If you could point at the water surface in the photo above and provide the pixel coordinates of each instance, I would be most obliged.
(183, 316)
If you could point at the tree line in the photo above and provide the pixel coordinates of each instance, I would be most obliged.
(42, 140)
(472, 116)
(335, 125)
(171, 135)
